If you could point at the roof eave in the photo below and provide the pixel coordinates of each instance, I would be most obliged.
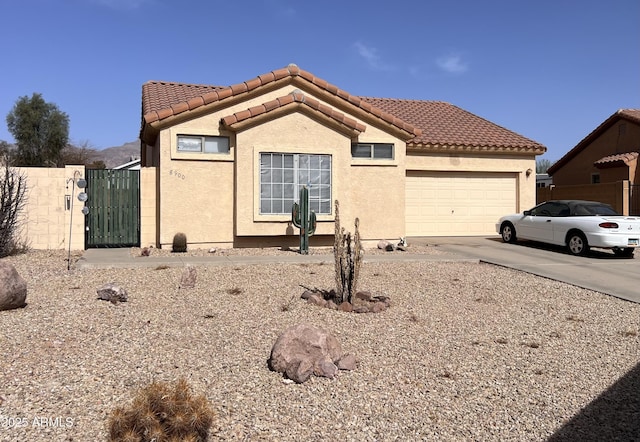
(461, 148)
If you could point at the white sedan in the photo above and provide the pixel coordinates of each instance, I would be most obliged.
(578, 225)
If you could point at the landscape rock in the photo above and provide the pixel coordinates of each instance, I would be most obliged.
(307, 294)
(113, 293)
(378, 307)
(13, 289)
(365, 296)
(188, 279)
(347, 362)
(317, 299)
(304, 349)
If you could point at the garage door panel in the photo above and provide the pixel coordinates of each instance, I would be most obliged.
(457, 204)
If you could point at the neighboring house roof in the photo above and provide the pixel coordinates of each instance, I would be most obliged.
(632, 115)
(617, 160)
(131, 165)
(427, 125)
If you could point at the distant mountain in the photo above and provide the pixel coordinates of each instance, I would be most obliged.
(117, 155)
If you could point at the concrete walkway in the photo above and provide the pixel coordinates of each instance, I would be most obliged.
(122, 258)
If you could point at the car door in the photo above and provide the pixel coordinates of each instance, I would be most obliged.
(537, 224)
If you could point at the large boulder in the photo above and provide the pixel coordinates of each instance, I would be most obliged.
(13, 289)
(303, 350)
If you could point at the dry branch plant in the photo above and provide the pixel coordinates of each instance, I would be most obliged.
(348, 259)
(13, 187)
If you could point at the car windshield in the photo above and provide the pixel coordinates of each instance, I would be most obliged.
(594, 210)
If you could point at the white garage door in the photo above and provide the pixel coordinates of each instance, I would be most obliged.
(458, 203)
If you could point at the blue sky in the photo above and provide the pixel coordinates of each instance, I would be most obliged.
(551, 70)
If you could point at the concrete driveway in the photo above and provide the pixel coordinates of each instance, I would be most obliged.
(600, 270)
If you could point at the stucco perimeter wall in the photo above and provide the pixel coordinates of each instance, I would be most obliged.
(148, 207)
(516, 165)
(47, 215)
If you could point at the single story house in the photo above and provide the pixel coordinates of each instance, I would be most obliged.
(229, 161)
(608, 154)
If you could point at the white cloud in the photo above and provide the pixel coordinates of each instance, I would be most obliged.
(453, 64)
(370, 55)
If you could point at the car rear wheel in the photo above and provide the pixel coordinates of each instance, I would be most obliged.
(508, 233)
(577, 244)
(626, 252)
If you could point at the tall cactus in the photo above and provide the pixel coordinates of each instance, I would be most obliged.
(304, 219)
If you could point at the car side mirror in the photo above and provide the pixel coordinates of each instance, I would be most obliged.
(527, 213)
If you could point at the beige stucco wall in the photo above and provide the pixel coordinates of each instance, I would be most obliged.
(196, 191)
(516, 165)
(46, 221)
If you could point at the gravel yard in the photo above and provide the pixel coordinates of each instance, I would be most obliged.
(466, 352)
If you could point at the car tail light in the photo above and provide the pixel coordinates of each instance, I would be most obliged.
(608, 225)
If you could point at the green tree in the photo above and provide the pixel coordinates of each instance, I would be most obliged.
(542, 165)
(40, 129)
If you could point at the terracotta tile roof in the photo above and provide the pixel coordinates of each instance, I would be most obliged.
(445, 126)
(428, 125)
(632, 115)
(295, 98)
(158, 97)
(616, 160)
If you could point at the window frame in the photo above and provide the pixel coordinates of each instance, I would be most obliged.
(373, 147)
(286, 178)
(203, 142)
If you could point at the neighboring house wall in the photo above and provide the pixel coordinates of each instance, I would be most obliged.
(47, 215)
(622, 136)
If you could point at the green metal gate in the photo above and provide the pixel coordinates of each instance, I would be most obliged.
(113, 200)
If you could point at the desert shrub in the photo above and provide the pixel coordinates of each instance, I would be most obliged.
(160, 412)
(13, 188)
(179, 242)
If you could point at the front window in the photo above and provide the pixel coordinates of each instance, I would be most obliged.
(379, 151)
(191, 143)
(283, 174)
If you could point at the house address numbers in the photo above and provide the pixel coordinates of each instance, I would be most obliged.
(177, 174)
